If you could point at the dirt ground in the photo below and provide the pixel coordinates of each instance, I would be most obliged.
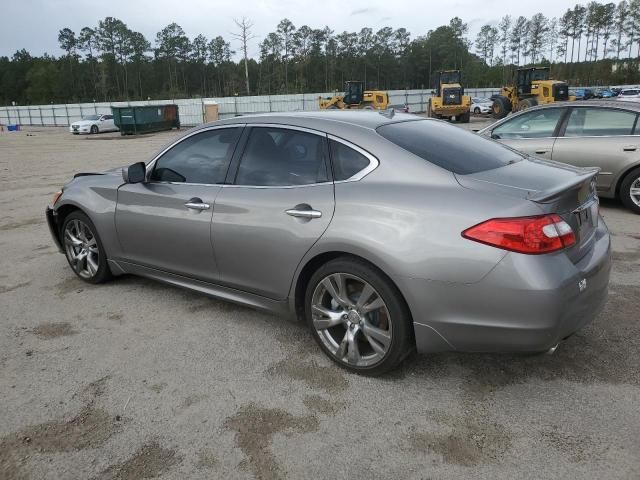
(135, 379)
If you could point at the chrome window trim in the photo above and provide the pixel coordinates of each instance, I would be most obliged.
(373, 161)
(601, 136)
(151, 164)
(283, 127)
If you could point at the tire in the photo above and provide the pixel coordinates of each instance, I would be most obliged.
(332, 107)
(368, 107)
(629, 185)
(465, 117)
(94, 129)
(501, 107)
(382, 336)
(527, 103)
(79, 235)
(476, 111)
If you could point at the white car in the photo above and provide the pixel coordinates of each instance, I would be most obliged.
(481, 105)
(94, 124)
(632, 94)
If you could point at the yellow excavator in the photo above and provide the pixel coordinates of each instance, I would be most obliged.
(532, 86)
(449, 100)
(356, 97)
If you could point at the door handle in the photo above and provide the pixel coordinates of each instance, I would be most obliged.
(197, 204)
(540, 152)
(630, 148)
(295, 212)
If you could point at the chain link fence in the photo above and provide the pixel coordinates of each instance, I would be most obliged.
(192, 109)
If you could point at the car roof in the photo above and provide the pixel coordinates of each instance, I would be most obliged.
(634, 106)
(325, 120)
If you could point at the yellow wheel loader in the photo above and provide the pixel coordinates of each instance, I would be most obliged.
(449, 100)
(356, 97)
(532, 87)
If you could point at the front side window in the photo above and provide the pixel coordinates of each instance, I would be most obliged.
(283, 157)
(200, 158)
(599, 122)
(346, 161)
(536, 124)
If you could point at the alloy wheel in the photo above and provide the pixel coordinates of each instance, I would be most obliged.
(351, 319)
(634, 191)
(82, 249)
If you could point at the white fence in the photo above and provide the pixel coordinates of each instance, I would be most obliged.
(192, 110)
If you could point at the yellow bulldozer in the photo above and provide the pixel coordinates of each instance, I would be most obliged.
(355, 96)
(449, 100)
(532, 86)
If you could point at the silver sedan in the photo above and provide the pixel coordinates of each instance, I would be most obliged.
(599, 133)
(384, 232)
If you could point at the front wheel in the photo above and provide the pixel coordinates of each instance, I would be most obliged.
(83, 248)
(358, 317)
(630, 191)
(476, 111)
(94, 129)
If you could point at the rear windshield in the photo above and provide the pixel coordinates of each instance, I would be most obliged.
(449, 147)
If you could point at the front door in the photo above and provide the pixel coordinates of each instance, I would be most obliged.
(532, 132)
(280, 204)
(165, 223)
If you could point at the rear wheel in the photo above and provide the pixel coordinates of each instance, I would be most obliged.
(358, 317)
(501, 107)
(465, 117)
(527, 103)
(630, 191)
(94, 129)
(83, 248)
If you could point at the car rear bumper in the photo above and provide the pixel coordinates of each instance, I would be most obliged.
(53, 227)
(525, 304)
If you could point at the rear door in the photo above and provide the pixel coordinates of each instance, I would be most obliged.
(279, 205)
(165, 223)
(533, 132)
(599, 137)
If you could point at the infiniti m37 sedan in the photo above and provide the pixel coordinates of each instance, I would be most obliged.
(386, 233)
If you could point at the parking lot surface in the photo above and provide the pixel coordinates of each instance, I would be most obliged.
(136, 379)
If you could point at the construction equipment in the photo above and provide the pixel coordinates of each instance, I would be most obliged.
(532, 87)
(449, 100)
(356, 97)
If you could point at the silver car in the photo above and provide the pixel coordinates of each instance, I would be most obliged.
(384, 232)
(598, 133)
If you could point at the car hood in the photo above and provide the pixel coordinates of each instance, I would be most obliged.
(83, 123)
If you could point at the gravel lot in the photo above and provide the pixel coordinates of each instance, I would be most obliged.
(135, 379)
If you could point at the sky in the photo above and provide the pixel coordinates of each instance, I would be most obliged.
(34, 24)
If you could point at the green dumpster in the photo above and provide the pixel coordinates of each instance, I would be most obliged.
(146, 118)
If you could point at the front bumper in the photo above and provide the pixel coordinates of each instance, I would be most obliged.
(527, 303)
(54, 229)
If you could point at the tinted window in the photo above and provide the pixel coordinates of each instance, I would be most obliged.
(282, 157)
(346, 161)
(598, 122)
(449, 147)
(108, 117)
(535, 124)
(200, 158)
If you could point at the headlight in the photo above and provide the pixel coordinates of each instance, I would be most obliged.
(55, 198)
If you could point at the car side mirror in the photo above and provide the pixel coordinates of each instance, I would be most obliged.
(495, 136)
(135, 173)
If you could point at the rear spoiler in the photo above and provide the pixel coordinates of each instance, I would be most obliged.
(574, 182)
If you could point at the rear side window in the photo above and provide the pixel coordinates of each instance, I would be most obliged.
(346, 161)
(449, 147)
(599, 122)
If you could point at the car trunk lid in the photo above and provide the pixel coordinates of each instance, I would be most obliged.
(555, 187)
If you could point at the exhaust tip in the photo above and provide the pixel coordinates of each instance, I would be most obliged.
(552, 350)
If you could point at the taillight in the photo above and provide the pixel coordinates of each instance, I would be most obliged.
(531, 235)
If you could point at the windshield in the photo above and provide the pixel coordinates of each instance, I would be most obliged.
(450, 77)
(540, 75)
(451, 148)
(91, 117)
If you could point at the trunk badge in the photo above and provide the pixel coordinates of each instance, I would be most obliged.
(582, 285)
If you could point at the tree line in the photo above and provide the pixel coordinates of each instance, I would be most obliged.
(596, 43)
